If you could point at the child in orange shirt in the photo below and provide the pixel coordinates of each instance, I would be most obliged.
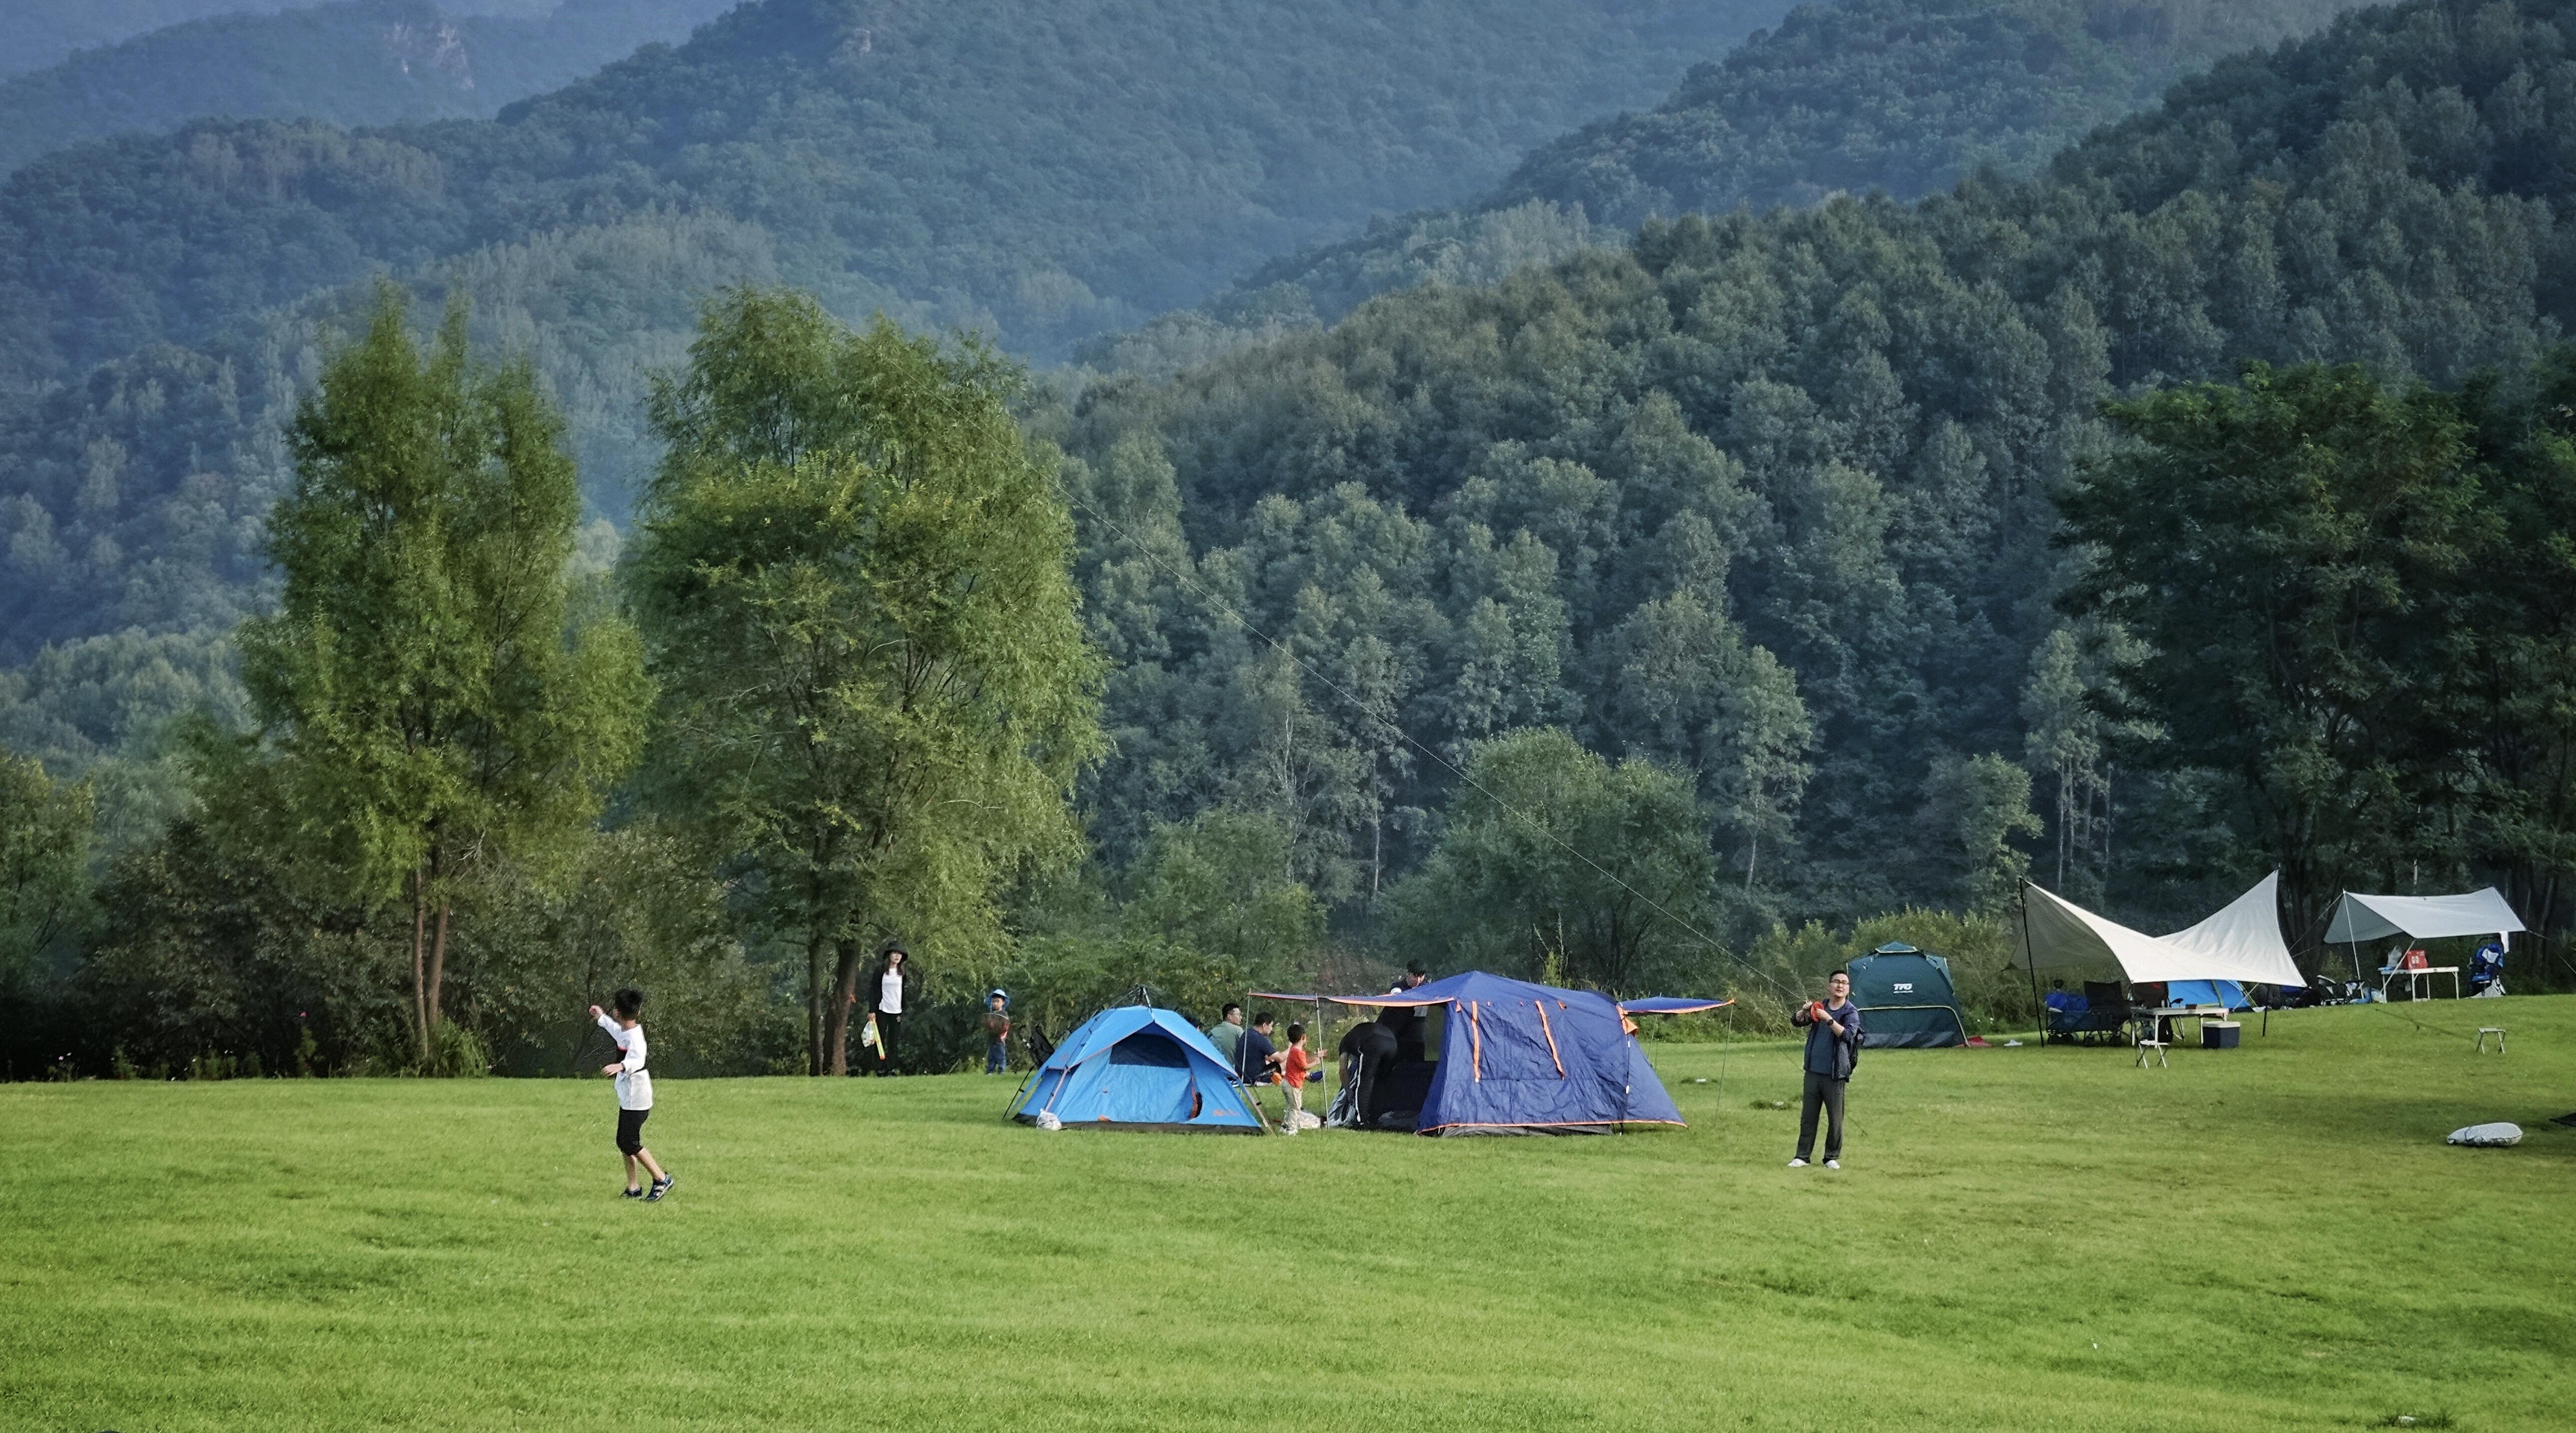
(1295, 1063)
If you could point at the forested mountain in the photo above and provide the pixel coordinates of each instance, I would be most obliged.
(1903, 96)
(1906, 96)
(1810, 562)
(1765, 495)
(38, 33)
(1044, 171)
(1771, 492)
(354, 62)
(1047, 170)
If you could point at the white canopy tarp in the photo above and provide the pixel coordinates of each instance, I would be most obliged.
(2241, 942)
(2360, 918)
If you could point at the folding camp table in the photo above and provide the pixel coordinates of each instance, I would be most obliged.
(2197, 1014)
(2415, 988)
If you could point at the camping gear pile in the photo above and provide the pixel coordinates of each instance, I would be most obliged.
(2358, 918)
(2204, 967)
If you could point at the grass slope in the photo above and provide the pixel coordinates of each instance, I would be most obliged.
(2027, 1238)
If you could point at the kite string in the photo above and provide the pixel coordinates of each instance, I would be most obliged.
(1231, 611)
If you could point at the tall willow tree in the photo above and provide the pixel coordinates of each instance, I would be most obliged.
(432, 697)
(855, 580)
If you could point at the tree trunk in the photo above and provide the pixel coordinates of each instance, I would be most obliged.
(419, 963)
(845, 997)
(814, 1004)
(438, 965)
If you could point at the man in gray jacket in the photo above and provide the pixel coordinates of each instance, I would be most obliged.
(1833, 1047)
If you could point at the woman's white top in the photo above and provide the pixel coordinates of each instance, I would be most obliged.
(634, 1082)
(890, 993)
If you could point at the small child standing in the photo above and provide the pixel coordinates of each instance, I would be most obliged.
(997, 1028)
(1294, 1066)
(634, 1089)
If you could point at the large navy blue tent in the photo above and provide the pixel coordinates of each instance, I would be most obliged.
(1137, 1067)
(1510, 1057)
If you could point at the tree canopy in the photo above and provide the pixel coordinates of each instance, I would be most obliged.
(854, 577)
(429, 697)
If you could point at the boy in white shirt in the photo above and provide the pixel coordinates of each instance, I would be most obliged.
(634, 1089)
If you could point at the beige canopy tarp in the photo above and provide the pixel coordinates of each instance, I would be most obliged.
(2241, 942)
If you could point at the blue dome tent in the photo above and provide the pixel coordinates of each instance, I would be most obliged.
(1137, 1067)
(1508, 1057)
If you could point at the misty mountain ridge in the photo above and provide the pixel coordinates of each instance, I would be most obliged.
(349, 63)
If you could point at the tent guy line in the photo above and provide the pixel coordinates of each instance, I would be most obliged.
(1282, 648)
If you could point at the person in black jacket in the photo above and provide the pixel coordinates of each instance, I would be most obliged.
(1833, 1048)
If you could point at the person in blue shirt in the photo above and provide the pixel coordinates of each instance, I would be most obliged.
(1833, 1048)
(1254, 1054)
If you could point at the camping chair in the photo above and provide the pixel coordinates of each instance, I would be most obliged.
(2486, 968)
(2105, 1015)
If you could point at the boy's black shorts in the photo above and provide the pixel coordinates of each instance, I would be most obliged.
(630, 1129)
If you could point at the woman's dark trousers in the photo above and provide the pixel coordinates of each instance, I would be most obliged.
(889, 1026)
(1825, 1093)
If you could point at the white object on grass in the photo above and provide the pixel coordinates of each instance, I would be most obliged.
(2487, 1136)
(1047, 1120)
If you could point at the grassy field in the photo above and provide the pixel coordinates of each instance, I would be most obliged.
(2026, 1238)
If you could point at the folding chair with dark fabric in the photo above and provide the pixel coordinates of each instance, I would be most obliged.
(2106, 1013)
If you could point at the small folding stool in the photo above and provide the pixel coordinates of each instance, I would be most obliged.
(2497, 1031)
(2158, 1046)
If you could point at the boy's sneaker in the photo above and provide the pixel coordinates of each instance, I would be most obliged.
(1833, 1164)
(661, 1187)
(633, 1193)
(1797, 1164)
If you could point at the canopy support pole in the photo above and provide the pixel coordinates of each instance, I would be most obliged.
(2030, 963)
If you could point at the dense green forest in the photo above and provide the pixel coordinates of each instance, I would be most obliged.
(976, 162)
(1045, 173)
(1900, 96)
(1672, 614)
(1811, 453)
(353, 62)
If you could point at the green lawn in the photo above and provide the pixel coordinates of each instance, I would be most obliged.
(2025, 1238)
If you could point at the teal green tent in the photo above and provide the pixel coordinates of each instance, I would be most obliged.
(1906, 1000)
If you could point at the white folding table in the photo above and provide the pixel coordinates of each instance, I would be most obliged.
(2415, 987)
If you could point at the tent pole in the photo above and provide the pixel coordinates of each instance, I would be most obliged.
(2030, 963)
